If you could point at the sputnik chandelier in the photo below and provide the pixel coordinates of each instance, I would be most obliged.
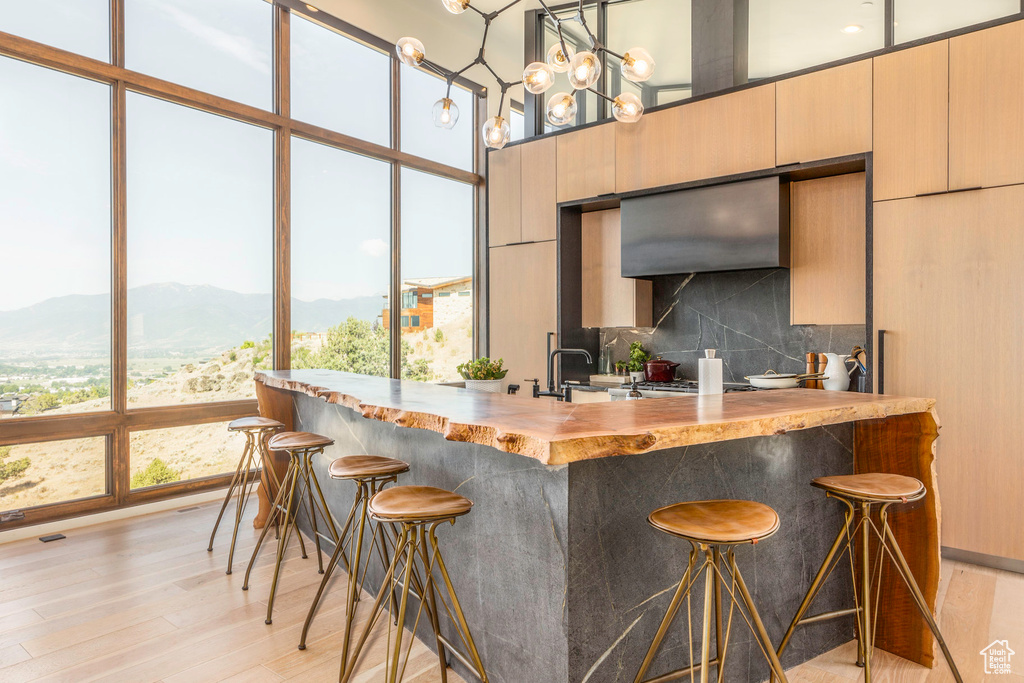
(583, 69)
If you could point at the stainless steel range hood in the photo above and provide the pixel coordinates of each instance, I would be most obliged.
(737, 226)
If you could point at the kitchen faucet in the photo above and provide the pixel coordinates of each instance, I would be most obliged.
(552, 353)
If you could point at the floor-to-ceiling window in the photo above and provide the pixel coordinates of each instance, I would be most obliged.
(193, 191)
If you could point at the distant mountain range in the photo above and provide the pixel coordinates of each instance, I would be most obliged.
(165, 317)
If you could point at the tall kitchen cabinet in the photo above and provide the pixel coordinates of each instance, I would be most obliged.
(986, 107)
(948, 293)
(523, 308)
(522, 221)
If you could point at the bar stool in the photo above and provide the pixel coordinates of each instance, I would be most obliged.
(256, 431)
(370, 473)
(708, 525)
(860, 492)
(417, 511)
(299, 478)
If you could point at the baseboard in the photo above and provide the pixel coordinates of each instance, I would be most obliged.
(983, 560)
(64, 525)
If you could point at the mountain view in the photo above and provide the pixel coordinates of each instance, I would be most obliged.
(193, 320)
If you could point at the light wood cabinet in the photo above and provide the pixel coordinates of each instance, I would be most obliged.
(715, 137)
(522, 308)
(610, 300)
(986, 107)
(947, 290)
(539, 178)
(586, 162)
(911, 121)
(824, 114)
(827, 251)
(504, 196)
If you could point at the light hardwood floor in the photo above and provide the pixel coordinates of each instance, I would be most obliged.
(141, 600)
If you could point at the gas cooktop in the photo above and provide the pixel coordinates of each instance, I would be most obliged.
(687, 386)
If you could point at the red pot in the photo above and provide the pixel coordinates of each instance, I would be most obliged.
(659, 370)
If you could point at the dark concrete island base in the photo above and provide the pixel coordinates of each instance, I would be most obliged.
(560, 575)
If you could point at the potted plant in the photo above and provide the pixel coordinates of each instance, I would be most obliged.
(637, 357)
(483, 374)
(620, 367)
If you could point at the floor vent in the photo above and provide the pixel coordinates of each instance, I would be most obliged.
(52, 537)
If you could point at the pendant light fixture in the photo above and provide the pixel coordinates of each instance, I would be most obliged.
(583, 68)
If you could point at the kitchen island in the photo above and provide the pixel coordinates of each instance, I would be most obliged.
(559, 573)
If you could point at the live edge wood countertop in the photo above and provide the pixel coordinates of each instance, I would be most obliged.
(558, 433)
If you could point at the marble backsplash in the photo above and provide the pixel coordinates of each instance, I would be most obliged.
(743, 314)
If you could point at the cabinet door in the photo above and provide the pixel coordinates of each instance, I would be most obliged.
(504, 196)
(911, 121)
(825, 114)
(539, 214)
(827, 251)
(522, 308)
(947, 290)
(586, 162)
(610, 300)
(719, 136)
(986, 107)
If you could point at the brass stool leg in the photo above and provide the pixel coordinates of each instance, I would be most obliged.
(336, 558)
(819, 578)
(243, 461)
(282, 544)
(922, 605)
(306, 470)
(705, 643)
(429, 592)
(682, 590)
(865, 587)
(243, 497)
(760, 632)
(402, 544)
(275, 511)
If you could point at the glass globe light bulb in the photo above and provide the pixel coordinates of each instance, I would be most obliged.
(559, 62)
(627, 108)
(538, 77)
(637, 65)
(446, 113)
(410, 51)
(455, 6)
(496, 132)
(584, 70)
(561, 108)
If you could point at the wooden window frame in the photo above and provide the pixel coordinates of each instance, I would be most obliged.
(120, 421)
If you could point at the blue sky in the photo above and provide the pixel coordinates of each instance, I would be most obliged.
(199, 186)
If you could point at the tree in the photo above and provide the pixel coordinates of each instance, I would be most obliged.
(157, 472)
(13, 469)
(362, 347)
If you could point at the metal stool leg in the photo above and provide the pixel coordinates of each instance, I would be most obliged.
(864, 632)
(243, 496)
(760, 632)
(682, 590)
(282, 544)
(275, 512)
(243, 461)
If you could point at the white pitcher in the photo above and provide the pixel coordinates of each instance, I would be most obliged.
(837, 375)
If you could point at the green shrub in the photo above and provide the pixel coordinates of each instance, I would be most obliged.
(248, 344)
(157, 472)
(438, 335)
(15, 468)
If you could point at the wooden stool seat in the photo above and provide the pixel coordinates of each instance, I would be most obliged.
(366, 467)
(244, 423)
(294, 441)
(875, 486)
(408, 503)
(717, 521)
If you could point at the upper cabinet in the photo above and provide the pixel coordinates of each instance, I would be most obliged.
(504, 196)
(610, 300)
(539, 177)
(828, 251)
(986, 107)
(586, 162)
(824, 114)
(718, 136)
(911, 121)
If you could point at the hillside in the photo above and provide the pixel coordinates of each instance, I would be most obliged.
(165, 317)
